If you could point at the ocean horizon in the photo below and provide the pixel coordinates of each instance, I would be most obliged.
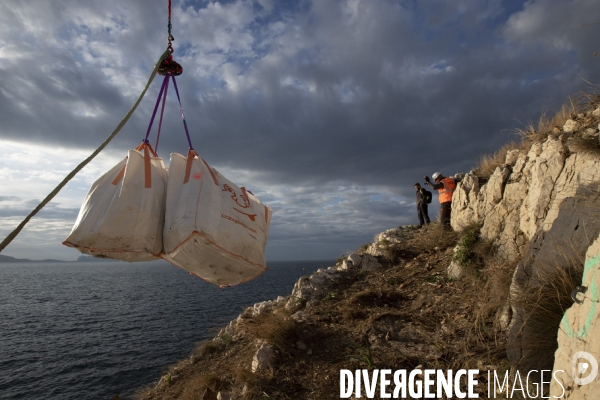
(81, 329)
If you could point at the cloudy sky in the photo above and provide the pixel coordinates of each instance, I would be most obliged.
(328, 110)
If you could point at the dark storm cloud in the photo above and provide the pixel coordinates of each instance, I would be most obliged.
(9, 198)
(342, 90)
(322, 96)
(384, 92)
(51, 211)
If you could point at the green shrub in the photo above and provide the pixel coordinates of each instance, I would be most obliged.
(465, 254)
(393, 280)
(365, 356)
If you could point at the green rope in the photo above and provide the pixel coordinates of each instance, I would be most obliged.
(14, 233)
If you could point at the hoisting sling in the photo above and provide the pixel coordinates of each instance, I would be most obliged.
(85, 162)
(191, 216)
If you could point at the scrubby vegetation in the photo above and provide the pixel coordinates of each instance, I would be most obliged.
(544, 305)
(488, 163)
(405, 315)
(580, 109)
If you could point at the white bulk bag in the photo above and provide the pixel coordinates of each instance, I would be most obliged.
(122, 215)
(213, 229)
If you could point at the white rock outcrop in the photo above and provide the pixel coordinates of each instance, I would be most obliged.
(309, 288)
(455, 270)
(570, 126)
(257, 309)
(263, 357)
(383, 240)
(356, 259)
(370, 263)
(580, 332)
(541, 202)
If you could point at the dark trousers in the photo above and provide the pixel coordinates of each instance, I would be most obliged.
(423, 214)
(445, 210)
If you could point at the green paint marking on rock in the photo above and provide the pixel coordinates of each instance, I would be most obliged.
(590, 267)
(583, 331)
(566, 325)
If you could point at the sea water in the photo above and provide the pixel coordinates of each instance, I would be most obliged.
(90, 330)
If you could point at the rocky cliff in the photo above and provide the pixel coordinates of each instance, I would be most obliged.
(541, 210)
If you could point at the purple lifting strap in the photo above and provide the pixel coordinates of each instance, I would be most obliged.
(162, 88)
(162, 111)
(187, 134)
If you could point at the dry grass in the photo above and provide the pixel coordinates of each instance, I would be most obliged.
(544, 304)
(488, 163)
(434, 237)
(532, 133)
(491, 278)
(424, 240)
(207, 347)
(277, 328)
(577, 108)
(583, 145)
(492, 301)
(253, 383)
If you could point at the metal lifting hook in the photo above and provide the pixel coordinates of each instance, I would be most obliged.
(577, 290)
(170, 66)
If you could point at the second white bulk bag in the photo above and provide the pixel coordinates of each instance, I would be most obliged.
(122, 215)
(213, 229)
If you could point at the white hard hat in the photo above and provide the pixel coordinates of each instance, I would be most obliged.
(436, 175)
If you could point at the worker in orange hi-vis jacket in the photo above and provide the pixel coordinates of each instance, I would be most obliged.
(445, 187)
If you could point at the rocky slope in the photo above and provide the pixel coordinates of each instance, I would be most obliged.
(396, 309)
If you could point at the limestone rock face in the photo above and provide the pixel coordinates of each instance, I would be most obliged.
(345, 265)
(309, 288)
(541, 201)
(370, 263)
(580, 323)
(464, 202)
(523, 198)
(544, 172)
(570, 126)
(491, 194)
(224, 396)
(355, 259)
(455, 270)
(383, 240)
(262, 358)
(590, 133)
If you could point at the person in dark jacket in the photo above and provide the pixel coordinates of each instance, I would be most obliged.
(445, 187)
(422, 205)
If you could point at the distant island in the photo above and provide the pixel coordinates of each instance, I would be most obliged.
(82, 258)
(8, 259)
(86, 258)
